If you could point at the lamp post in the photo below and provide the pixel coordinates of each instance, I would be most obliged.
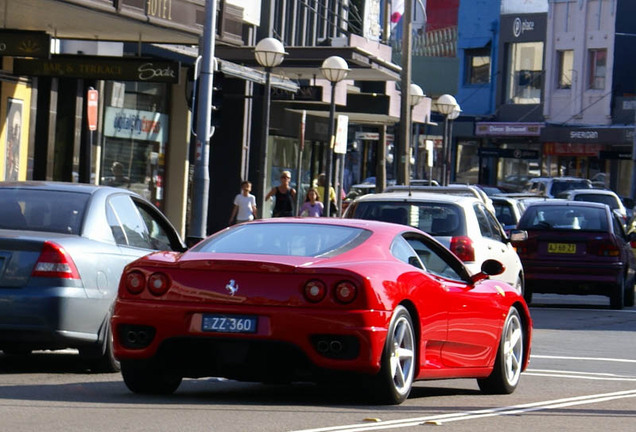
(334, 69)
(446, 104)
(269, 53)
(416, 95)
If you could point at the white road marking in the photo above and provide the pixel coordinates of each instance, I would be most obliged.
(470, 415)
(603, 359)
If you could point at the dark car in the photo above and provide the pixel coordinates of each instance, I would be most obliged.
(576, 247)
(63, 247)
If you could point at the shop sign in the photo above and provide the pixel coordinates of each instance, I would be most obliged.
(508, 153)
(136, 124)
(303, 93)
(610, 154)
(99, 67)
(23, 43)
(607, 135)
(571, 149)
(508, 129)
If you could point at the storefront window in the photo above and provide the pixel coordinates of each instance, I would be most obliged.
(525, 73)
(283, 156)
(135, 138)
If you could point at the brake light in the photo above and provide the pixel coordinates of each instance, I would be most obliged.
(55, 262)
(462, 246)
(345, 292)
(315, 290)
(158, 284)
(603, 248)
(135, 282)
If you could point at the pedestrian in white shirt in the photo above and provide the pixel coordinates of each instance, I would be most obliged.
(244, 204)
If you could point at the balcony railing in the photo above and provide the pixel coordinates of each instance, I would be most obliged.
(434, 43)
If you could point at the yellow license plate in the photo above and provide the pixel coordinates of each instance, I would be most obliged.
(562, 248)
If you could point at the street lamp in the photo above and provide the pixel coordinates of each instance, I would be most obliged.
(334, 69)
(447, 106)
(269, 53)
(416, 95)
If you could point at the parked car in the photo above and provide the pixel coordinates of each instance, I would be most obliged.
(603, 196)
(63, 247)
(508, 211)
(576, 247)
(461, 223)
(288, 299)
(552, 186)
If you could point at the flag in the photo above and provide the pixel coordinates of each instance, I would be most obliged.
(397, 10)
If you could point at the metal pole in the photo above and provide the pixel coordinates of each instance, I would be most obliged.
(262, 165)
(201, 186)
(331, 138)
(299, 164)
(403, 153)
(633, 188)
(444, 151)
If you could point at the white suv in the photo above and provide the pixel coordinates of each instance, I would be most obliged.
(463, 224)
(552, 186)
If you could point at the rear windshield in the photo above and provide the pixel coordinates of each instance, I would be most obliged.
(603, 199)
(564, 218)
(291, 239)
(42, 210)
(437, 219)
(559, 186)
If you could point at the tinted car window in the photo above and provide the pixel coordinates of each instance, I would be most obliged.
(285, 239)
(126, 223)
(482, 220)
(603, 199)
(433, 262)
(564, 218)
(25, 209)
(401, 249)
(559, 186)
(438, 219)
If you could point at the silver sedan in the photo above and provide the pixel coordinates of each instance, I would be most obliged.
(63, 247)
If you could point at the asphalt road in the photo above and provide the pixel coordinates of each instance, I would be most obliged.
(582, 377)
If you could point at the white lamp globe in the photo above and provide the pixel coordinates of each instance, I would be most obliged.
(269, 52)
(334, 69)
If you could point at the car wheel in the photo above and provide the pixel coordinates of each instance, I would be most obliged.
(527, 294)
(519, 284)
(393, 382)
(101, 359)
(617, 297)
(145, 378)
(506, 373)
(629, 293)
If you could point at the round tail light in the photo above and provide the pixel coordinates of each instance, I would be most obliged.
(135, 282)
(345, 291)
(315, 290)
(158, 284)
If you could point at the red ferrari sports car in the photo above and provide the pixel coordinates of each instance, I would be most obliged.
(309, 299)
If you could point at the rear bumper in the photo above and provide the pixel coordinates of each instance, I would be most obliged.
(286, 338)
(50, 318)
(583, 278)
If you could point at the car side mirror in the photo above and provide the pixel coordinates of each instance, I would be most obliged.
(489, 268)
(518, 235)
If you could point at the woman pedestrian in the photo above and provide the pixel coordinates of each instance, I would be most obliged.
(244, 205)
(285, 196)
(312, 206)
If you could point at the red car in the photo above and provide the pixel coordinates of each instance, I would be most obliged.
(298, 299)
